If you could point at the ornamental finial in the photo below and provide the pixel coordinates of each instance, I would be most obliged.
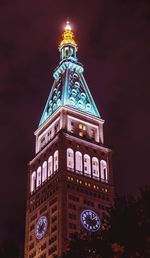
(68, 35)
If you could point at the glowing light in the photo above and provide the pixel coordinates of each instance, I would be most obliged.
(104, 173)
(68, 36)
(70, 159)
(67, 26)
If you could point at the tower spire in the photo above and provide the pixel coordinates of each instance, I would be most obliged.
(68, 35)
(69, 88)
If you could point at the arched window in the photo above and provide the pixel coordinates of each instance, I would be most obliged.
(79, 162)
(56, 160)
(50, 166)
(38, 181)
(44, 171)
(104, 173)
(87, 165)
(33, 181)
(70, 159)
(95, 168)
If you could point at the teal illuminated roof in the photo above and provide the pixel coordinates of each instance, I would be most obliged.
(70, 90)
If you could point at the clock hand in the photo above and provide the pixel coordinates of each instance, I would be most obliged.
(94, 218)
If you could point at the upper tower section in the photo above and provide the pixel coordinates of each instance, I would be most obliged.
(69, 88)
(68, 46)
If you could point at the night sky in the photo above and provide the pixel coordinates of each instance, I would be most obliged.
(114, 47)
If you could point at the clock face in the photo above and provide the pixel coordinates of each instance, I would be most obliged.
(41, 227)
(90, 220)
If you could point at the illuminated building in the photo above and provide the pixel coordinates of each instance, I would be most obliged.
(70, 180)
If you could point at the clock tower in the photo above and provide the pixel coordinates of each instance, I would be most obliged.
(70, 180)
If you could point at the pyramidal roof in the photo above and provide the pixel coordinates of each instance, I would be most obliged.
(69, 88)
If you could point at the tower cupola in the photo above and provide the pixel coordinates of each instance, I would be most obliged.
(68, 46)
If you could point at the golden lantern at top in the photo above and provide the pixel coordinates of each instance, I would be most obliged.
(68, 36)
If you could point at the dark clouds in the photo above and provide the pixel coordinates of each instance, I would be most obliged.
(114, 40)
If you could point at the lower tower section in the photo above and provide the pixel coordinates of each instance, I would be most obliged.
(75, 197)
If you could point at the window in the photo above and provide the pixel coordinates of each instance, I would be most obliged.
(82, 129)
(49, 135)
(43, 209)
(92, 134)
(89, 203)
(43, 141)
(104, 173)
(81, 133)
(71, 126)
(31, 246)
(33, 217)
(53, 229)
(53, 201)
(78, 161)
(43, 256)
(54, 209)
(32, 227)
(44, 171)
(53, 239)
(67, 51)
(72, 206)
(72, 216)
(33, 181)
(54, 218)
(72, 225)
(43, 246)
(71, 52)
(56, 160)
(70, 159)
(52, 250)
(87, 165)
(32, 255)
(38, 182)
(73, 198)
(56, 128)
(95, 168)
(50, 166)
